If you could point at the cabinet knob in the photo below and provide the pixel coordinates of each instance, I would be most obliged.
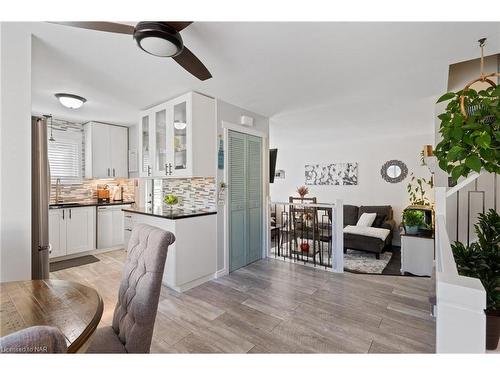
(113, 172)
(109, 172)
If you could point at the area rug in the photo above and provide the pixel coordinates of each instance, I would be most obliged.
(75, 262)
(363, 262)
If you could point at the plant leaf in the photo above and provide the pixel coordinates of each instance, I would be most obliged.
(474, 163)
(484, 140)
(447, 96)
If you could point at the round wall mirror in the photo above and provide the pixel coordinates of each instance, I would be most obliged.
(394, 171)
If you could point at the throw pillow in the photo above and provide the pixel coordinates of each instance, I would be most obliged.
(366, 220)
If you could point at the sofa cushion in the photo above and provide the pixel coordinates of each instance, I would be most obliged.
(383, 213)
(365, 243)
(350, 214)
(366, 219)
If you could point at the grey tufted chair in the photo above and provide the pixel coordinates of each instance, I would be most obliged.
(32, 340)
(135, 311)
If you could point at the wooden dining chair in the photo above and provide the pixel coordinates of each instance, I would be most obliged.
(135, 311)
(304, 224)
(34, 340)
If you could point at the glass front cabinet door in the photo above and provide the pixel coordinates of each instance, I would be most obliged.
(162, 157)
(145, 169)
(181, 133)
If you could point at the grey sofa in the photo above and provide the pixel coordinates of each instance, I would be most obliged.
(384, 219)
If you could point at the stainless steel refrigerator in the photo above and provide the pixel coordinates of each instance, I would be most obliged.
(40, 194)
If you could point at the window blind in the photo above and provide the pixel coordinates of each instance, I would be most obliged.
(65, 159)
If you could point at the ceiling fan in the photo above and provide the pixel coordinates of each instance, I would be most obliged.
(158, 38)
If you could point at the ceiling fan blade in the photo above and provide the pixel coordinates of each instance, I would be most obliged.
(178, 25)
(192, 64)
(110, 27)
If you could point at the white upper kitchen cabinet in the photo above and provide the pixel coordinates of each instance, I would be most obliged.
(178, 138)
(106, 150)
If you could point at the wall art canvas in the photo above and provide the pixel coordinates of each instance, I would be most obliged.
(332, 174)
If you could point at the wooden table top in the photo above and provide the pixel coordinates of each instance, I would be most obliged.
(73, 308)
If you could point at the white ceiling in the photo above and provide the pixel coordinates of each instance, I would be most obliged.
(279, 69)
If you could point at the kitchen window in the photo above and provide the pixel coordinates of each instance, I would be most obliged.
(65, 157)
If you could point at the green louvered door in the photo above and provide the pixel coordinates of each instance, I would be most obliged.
(245, 199)
(254, 197)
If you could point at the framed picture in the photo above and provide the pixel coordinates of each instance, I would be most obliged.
(332, 174)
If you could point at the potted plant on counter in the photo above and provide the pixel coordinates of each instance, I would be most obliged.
(481, 260)
(171, 200)
(413, 220)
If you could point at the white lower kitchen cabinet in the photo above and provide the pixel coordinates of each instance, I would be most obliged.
(57, 233)
(71, 230)
(192, 259)
(110, 232)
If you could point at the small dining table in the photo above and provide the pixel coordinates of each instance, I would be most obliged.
(74, 308)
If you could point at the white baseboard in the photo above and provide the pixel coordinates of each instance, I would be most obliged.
(190, 284)
(221, 273)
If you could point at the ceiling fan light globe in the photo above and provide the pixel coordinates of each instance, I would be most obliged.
(158, 39)
(158, 46)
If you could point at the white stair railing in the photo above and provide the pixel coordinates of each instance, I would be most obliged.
(460, 300)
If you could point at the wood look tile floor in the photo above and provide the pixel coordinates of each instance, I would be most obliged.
(276, 307)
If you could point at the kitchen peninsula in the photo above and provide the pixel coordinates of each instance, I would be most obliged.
(191, 260)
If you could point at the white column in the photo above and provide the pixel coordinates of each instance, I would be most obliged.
(15, 151)
(338, 236)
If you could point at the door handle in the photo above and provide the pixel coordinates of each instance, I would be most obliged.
(63, 214)
(70, 213)
(149, 170)
(113, 172)
(170, 168)
(109, 172)
(166, 169)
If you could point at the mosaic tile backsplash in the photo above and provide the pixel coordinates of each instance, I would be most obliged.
(87, 190)
(193, 193)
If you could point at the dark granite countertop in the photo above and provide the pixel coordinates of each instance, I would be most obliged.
(86, 203)
(167, 213)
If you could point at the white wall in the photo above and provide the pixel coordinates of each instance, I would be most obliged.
(15, 152)
(370, 152)
(230, 113)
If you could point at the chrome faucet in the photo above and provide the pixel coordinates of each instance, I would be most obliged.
(58, 190)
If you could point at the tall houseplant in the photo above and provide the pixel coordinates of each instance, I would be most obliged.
(481, 259)
(471, 140)
(417, 190)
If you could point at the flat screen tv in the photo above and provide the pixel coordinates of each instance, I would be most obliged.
(273, 153)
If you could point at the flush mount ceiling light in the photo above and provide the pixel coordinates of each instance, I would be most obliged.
(70, 100)
(179, 125)
(158, 39)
